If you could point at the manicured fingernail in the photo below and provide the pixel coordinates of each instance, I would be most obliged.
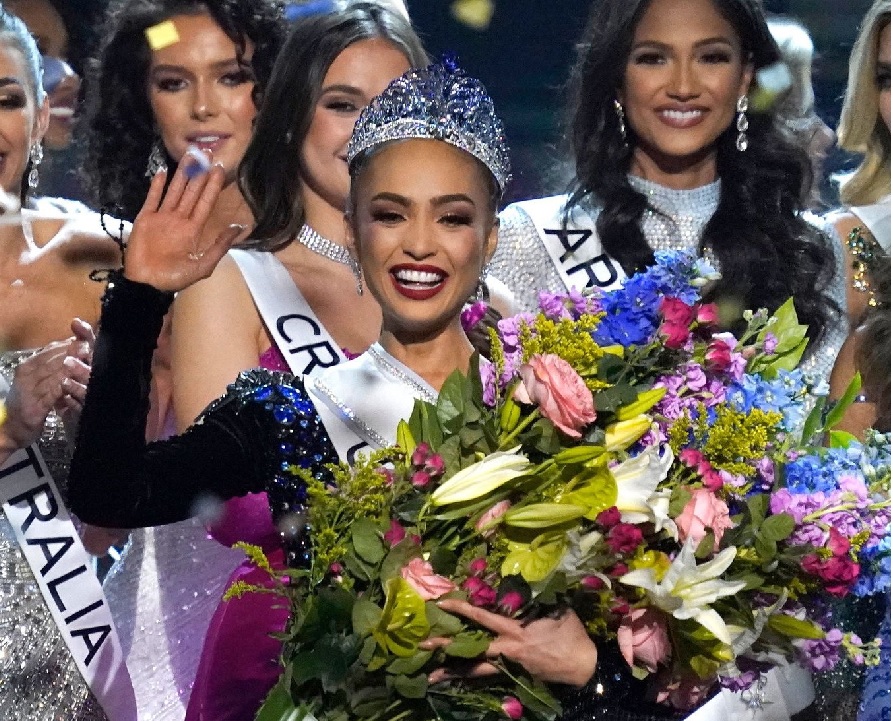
(70, 362)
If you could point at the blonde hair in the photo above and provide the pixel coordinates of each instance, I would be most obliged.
(861, 128)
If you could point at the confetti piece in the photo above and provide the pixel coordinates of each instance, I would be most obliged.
(771, 82)
(295, 11)
(476, 14)
(198, 162)
(162, 35)
(55, 71)
(2, 412)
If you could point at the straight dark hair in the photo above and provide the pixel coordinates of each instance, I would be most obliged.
(766, 250)
(118, 124)
(269, 175)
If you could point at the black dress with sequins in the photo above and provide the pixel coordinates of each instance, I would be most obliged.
(243, 443)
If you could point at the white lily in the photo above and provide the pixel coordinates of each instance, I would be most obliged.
(687, 589)
(637, 480)
(482, 477)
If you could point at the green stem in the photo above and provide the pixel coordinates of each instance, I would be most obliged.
(521, 427)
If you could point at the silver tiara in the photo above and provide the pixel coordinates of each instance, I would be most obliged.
(439, 102)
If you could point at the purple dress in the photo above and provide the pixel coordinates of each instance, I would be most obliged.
(240, 659)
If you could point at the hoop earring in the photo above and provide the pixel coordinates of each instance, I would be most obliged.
(741, 123)
(35, 156)
(621, 121)
(157, 161)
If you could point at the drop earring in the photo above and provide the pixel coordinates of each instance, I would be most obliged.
(358, 274)
(157, 161)
(621, 121)
(741, 123)
(35, 156)
(482, 294)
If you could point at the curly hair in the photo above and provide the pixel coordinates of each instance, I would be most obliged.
(766, 250)
(269, 176)
(118, 123)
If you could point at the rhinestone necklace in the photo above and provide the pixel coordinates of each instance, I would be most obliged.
(675, 219)
(390, 365)
(313, 241)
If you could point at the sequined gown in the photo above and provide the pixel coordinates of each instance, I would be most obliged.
(39, 680)
(525, 266)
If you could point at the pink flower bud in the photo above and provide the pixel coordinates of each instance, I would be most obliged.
(336, 568)
(592, 583)
(396, 533)
(619, 569)
(388, 475)
(624, 538)
(420, 479)
(478, 566)
(435, 465)
(708, 314)
(510, 603)
(420, 454)
(608, 518)
(512, 707)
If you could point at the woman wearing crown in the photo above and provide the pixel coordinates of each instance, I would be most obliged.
(428, 166)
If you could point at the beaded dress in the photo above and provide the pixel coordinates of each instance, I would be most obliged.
(523, 263)
(39, 680)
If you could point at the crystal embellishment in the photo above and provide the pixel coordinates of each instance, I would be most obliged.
(313, 241)
(439, 102)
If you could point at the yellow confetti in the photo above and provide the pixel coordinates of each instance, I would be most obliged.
(2, 412)
(162, 35)
(476, 14)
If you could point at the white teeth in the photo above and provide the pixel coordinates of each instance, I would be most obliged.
(417, 276)
(207, 138)
(682, 115)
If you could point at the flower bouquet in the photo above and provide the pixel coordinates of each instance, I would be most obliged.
(619, 457)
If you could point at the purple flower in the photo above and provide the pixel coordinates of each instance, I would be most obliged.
(473, 314)
(770, 343)
(822, 654)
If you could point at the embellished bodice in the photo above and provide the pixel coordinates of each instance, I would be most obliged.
(39, 680)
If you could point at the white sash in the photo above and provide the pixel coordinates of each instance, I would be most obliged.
(63, 570)
(361, 406)
(576, 251)
(303, 341)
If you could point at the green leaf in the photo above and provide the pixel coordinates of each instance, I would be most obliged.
(841, 439)
(367, 540)
(794, 627)
(758, 505)
(278, 705)
(441, 622)
(409, 666)
(765, 547)
(397, 558)
(835, 415)
(679, 499)
(411, 686)
(792, 340)
(705, 547)
(778, 527)
(451, 401)
(365, 617)
(813, 421)
(468, 644)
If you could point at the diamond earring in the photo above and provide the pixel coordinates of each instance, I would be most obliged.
(482, 293)
(741, 123)
(157, 161)
(358, 274)
(35, 156)
(621, 120)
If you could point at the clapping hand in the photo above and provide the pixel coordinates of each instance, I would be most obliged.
(165, 248)
(556, 650)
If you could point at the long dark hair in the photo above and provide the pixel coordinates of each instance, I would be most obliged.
(118, 122)
(766, 250)
(269, 175)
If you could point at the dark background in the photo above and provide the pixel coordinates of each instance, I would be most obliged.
(524, 55)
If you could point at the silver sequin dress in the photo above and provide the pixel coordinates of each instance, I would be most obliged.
(39, 680)
(525, 266)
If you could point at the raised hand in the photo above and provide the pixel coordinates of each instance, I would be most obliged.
(556, 650)
(165, 248)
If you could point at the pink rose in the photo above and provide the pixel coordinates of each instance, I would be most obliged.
(552, 384)
(480, 593)
(643, 639)
(718, 355)
(678, 317)
(421, 577)
(704, 510)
